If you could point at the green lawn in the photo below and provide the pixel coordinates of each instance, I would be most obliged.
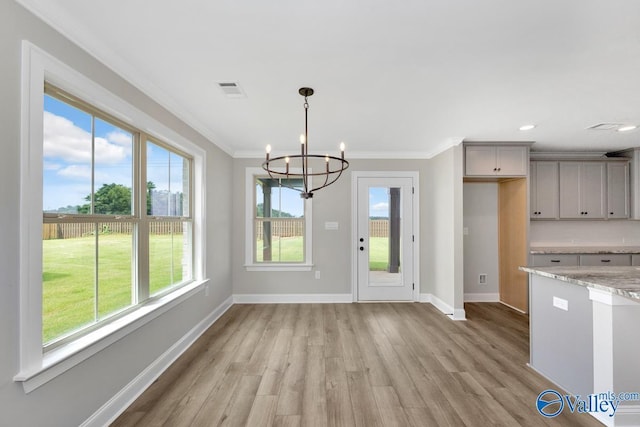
(291, 250)
(69, 292)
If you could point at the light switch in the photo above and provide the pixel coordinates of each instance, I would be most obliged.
(465, 231)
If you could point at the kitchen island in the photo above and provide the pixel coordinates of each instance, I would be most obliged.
(585, 333)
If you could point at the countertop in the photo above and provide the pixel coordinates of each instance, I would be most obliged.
(623, 281)
(541, 250)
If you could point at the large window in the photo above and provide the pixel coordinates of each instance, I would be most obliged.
(112, 218)
(117, 225)
(278, 223)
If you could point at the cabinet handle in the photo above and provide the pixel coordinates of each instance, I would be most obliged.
(610, 213)
(499, 169)
(605, 260)
(555, 260)
(495, 169)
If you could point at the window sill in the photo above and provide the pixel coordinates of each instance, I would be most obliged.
(63, 358)
(278, 267)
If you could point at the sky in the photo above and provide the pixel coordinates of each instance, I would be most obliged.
(67, 157)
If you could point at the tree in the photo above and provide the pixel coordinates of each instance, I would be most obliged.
(110, 199)
(150, 187)
(275, 213)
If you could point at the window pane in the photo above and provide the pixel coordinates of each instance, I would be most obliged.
(279, 241)
(167, 182)
(277, 198)
(68, 278)
(113, 169)
(115, 251)
(169, 254)
(66, 158)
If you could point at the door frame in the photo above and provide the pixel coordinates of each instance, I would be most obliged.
(414, 175)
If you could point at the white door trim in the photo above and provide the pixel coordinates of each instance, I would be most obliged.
(414, 175)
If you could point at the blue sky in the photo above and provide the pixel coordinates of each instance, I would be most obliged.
(379, 202)
(67, 157)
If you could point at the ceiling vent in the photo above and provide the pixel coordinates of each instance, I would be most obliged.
(606, 126)
(231, 89)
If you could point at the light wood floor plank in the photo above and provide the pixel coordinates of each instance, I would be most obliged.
(380, 364)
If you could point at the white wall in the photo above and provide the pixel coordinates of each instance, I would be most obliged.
(72, 397)
(585, 233)
(481, 242)
(442, 231)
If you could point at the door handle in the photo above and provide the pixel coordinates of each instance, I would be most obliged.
(362, 248)
(362, 239)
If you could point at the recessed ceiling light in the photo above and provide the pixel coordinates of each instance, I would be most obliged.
(527, 127)
(626, 128)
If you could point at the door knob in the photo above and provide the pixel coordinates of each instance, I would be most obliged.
(362, 248)
(362, 239)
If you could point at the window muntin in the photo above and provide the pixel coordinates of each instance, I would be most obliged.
(94, 266)
(279, 221)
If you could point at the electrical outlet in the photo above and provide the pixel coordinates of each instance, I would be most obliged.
(561, 303)
(482, 279)
(317, 274)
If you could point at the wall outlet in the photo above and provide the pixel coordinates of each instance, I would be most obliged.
(482, 279)
(317, 274)
(560, 303)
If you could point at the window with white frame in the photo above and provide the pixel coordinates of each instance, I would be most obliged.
(116, 221)
(112, 218)
(278, 223)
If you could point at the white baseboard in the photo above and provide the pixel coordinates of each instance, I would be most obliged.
(125, 397)
(291, 298)
(495, 297)
(454, 314)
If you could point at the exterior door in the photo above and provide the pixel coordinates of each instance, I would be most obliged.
(385, 239)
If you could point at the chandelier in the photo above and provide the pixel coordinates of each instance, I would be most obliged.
(325, 170)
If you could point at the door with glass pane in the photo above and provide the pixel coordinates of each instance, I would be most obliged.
(385, 239)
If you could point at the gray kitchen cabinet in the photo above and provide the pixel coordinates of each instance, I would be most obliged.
(491, 160)
(635, 260)
(554, 260)
(582, 190)
(618, 190)
(543, 179)
(605, 260)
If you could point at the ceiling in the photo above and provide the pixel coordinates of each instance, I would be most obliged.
(392, 79)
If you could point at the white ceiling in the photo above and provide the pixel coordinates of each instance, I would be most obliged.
(392, 78)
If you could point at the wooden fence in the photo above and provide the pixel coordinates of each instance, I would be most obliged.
(378, 228)
(76, 229)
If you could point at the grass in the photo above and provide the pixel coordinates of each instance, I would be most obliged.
(291, 250)
(69, 293)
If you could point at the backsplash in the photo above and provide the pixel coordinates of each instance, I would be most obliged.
(584, 233)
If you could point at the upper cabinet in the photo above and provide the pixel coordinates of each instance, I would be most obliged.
(496, 160)
(544, 190)
(618, 190)
(582, 190)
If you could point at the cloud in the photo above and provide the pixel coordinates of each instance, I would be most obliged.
(51, 166)
(380, 208)
(66, 141)
(76, 171)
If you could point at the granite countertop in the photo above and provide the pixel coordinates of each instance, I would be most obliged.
(541, 250)
(623, 281)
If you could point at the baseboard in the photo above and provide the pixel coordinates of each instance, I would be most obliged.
(482, 297)
(454, 314)
(291, 298)
(125, 397)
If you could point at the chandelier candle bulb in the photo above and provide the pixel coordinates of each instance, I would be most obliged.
(286, 160)
(268, 149)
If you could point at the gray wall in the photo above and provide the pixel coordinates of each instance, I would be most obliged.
(73, 396)
(440, 253)
(481, 242)
(442, 229)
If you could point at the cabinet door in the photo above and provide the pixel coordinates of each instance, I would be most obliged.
(480, 160)
(570, 190)
(618, 190)
(511, 161)
(544, 190)
(549, 260)
(592, 192)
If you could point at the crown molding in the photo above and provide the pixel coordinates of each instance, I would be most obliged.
(60, 22)
(567, 155)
